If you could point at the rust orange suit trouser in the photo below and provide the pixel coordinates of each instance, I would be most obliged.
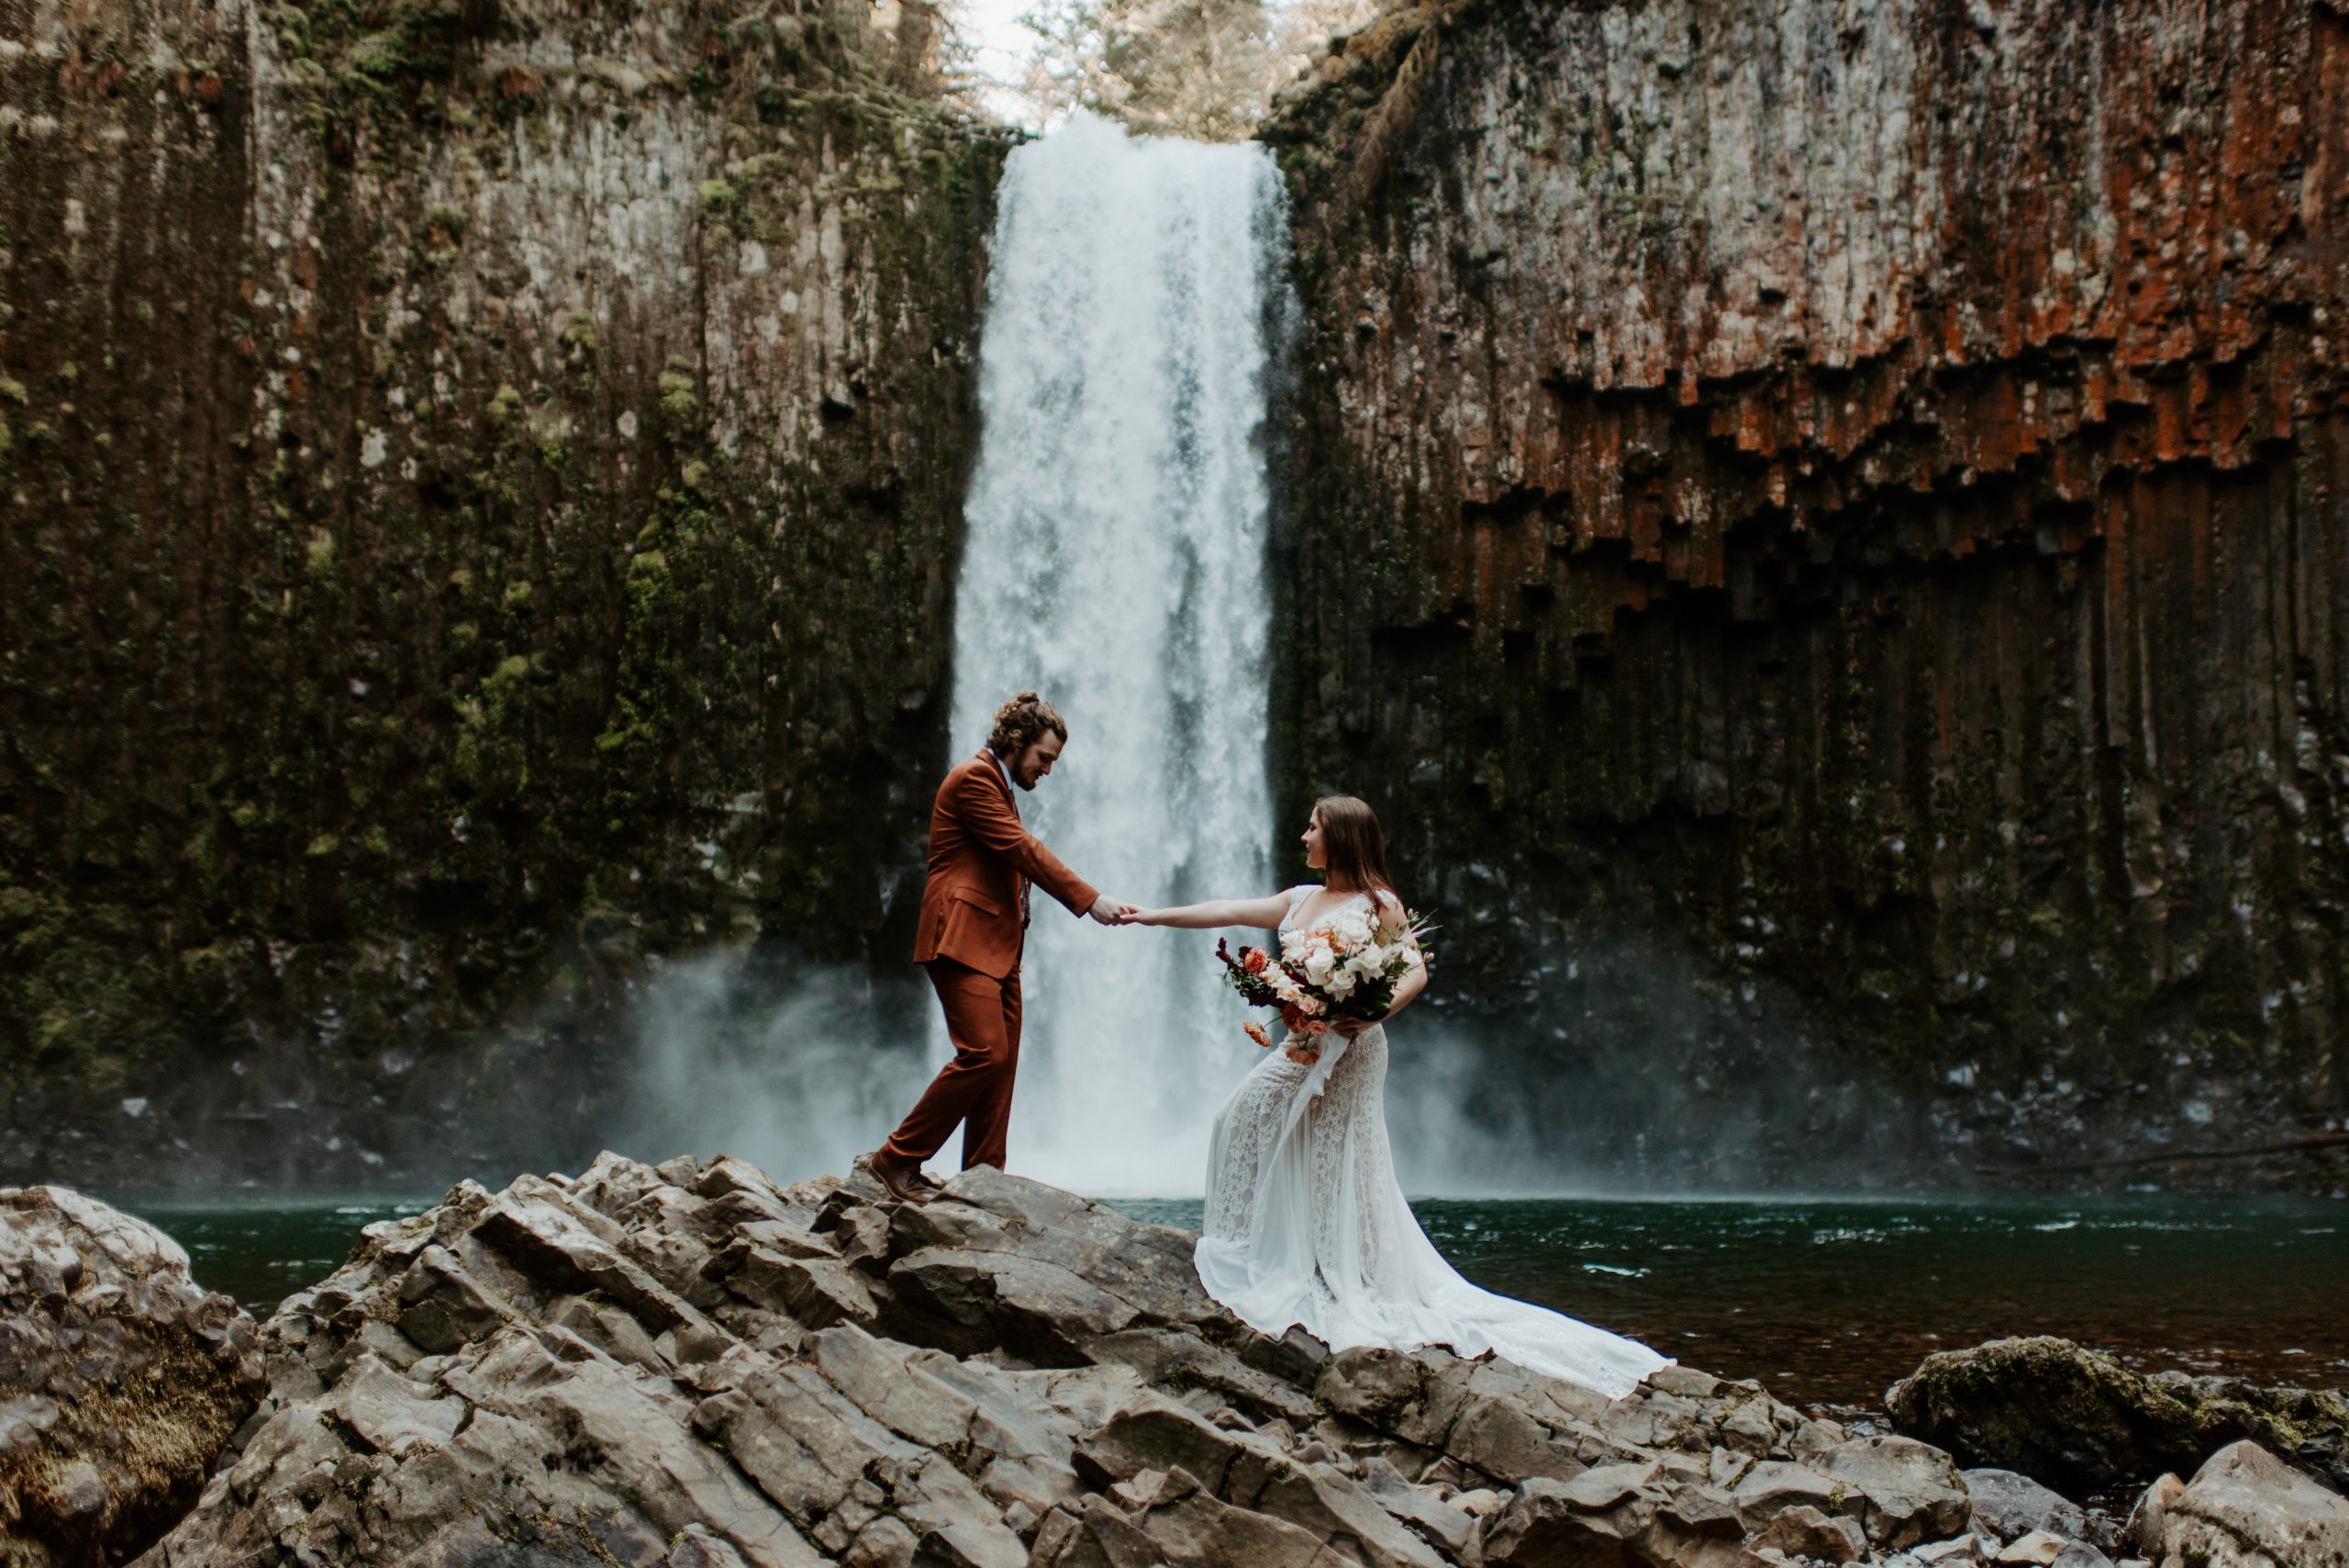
(982, 1021)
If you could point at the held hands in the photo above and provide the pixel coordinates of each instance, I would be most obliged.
(1108, 911)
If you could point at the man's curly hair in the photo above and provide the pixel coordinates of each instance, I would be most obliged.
(1023, 721)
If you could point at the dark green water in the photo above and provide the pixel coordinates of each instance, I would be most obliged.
(1826, 1301)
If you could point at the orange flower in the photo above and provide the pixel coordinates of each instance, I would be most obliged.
(1254, 960)
(1256, 1032)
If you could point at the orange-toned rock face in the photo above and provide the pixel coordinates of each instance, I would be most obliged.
(1854, 501)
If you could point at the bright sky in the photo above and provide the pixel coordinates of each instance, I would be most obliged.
(1002, 45)
(1001, 48)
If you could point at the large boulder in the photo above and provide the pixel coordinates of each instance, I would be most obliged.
(2246, 1509)
(694, 1365)
(120, 1380)
(2081, 1422)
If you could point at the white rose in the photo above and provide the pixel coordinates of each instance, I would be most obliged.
(1317, 965)
(1353, 927)
(1341, 984)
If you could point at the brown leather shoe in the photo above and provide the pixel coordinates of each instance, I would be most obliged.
(905, 1183)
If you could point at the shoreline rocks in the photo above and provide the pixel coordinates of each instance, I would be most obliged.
(695, 1364)
(694, 1367)
(121, 1381)
(2245, 1508)
(2081, 1422)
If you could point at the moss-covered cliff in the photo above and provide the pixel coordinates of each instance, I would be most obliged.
(1827, 527)
(478, 486)
(1821, 523)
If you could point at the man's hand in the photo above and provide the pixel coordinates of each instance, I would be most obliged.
(1111, 912)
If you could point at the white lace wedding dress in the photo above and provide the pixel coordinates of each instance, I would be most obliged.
(1306, 1224)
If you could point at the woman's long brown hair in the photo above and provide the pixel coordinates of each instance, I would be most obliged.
(1353, 845)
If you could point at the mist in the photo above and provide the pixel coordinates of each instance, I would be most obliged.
(801, 1070)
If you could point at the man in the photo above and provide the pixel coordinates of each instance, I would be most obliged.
(973, 927)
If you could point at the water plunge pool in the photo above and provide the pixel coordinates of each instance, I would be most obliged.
(1826, 1301)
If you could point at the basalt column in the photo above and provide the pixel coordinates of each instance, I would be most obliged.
(1827, 527)
(479, 485)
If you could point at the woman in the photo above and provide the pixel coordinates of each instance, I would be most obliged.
(1304, 1223)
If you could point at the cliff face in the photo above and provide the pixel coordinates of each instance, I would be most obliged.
(478, 480)
(1823, 526)
(1818, 526)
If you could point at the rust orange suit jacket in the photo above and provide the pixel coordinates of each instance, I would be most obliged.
(980, 858)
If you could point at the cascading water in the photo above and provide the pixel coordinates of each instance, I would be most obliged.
(1115, 561)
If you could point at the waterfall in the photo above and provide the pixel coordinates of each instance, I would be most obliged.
(1115, 561)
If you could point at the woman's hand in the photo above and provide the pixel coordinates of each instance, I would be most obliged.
(1137, 916)
(1352, 1027)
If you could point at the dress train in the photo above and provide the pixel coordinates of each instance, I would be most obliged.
(1305, 1224)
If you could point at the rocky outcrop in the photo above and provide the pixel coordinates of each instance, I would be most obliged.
(688, 1364)
(120, 1380)
(1818, 525)
(2076, 1420)
(2245, 1508)
(481, 483)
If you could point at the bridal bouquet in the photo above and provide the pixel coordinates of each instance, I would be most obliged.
(1346, 968)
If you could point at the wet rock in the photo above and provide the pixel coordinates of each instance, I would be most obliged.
(1558, 1522)
(2142, 1532)
(1448, 1522)
(2009, 1506)
(2246, 1509)
(1910, 1491)
(1804, 1531)
(121, 1380)
(1773, 1485)
(2080, 1554)
(626, 1367)
(2307, 1429)
(2076, 1420)
(2037, 1550)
